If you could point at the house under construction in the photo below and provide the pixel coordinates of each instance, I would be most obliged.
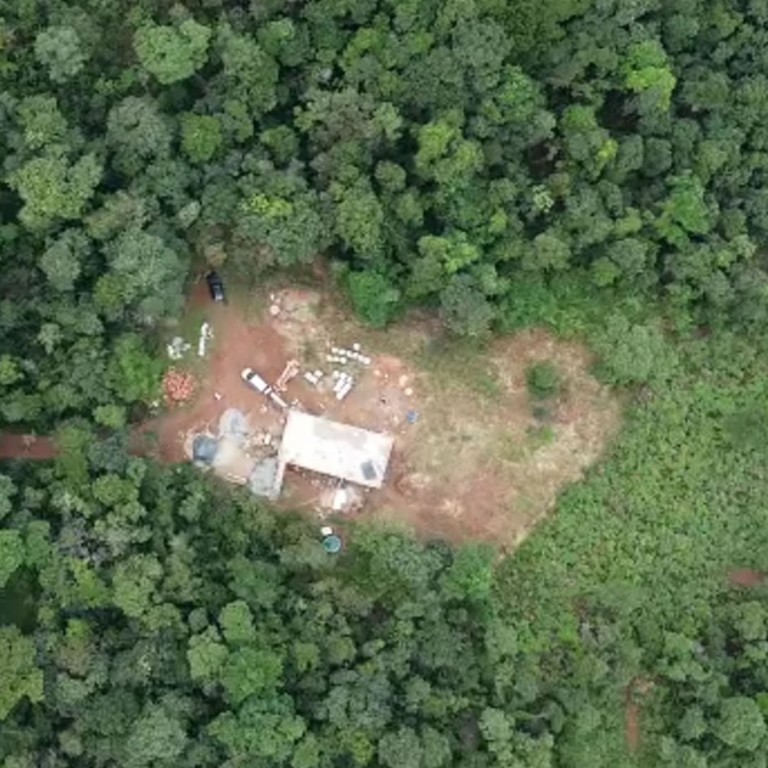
(330, 448)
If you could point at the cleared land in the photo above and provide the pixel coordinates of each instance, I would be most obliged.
(482, 461)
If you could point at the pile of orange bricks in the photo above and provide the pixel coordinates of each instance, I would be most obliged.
(178, 386)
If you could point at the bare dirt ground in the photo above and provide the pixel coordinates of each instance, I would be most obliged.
(29, 447)
(238, 343)
(632, 725)
(479, 465)
(475, 464)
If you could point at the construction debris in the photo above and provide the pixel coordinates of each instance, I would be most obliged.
(314, 377)
(260, 439)
(343, 356)
(177, 348)
(343, 381)
(261, 481)
(206, 334)
(290, 371)
(343, 384)
(234, 425)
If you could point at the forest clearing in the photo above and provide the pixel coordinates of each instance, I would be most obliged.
(479, 459)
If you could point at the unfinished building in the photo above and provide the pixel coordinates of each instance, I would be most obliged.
(330, 448)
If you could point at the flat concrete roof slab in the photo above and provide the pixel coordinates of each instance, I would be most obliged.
(340, 450)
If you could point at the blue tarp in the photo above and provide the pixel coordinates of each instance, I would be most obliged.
(204, 449)
(332, 544)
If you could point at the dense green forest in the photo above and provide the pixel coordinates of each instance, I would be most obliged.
(595, 166)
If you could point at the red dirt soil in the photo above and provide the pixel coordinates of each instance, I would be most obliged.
(632, 725)
(27, 447)
(468, 470)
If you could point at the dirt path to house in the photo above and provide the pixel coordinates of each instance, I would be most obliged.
(474, 457)
(632, 724)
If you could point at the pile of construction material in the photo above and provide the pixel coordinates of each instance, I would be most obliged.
(291, 370)
(342, 384)
(314, 377)
(178, 386)
(260, 439)
(206, 334)
(233, 424)
(344, 356)
(343, 381)
(177, 348)
(261, 481)
(340, 499)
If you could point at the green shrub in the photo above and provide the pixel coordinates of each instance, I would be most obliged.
(133, 374)
(113, 416)
(543, 380)
(375, 299)
(540, 436)
(748, 428)
(632, 353)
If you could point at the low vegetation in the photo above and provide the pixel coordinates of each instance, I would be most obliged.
(543, 380)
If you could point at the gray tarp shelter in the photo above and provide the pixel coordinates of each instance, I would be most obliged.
(262, 479)
(204, 449)
(330, 448)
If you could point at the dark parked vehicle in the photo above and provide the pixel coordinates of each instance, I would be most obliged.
(215, 286)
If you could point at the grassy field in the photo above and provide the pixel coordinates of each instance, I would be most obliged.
(677, 504)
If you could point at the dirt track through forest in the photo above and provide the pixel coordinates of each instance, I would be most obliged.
(637, 690)
(27, 447)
